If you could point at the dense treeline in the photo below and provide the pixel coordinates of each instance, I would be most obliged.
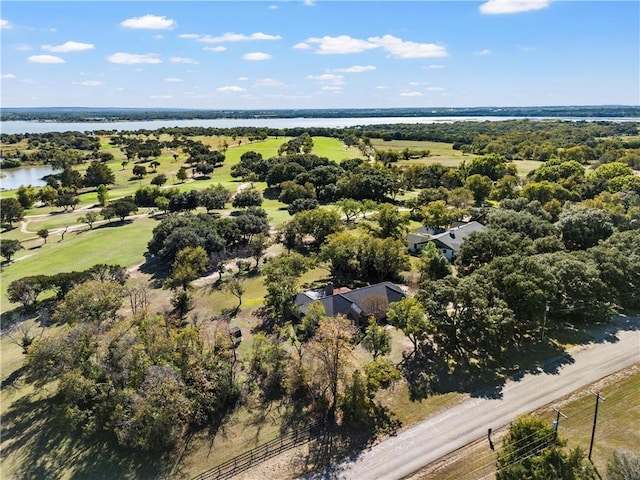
(106, 114)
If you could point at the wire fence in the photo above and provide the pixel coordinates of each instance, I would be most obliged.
(268, 450)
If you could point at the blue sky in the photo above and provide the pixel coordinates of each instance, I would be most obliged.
(319, 54)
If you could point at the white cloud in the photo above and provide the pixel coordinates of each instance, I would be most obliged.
(133, 58)
(23, 47)
(243, 79)
(219, 48)
(411, 94)
(356, 69)
(238, 37)
(91, 83)
(189, 35)
(382, 87)
(161, 97)
(5, 23)
(69, 47)
(331, 88)
(486, 51)
(338, 45)
(158, 36)
(256, 56)
(183, 60)
(273, 7)
(435, 89)
(302, 46)
(267, 82)
(173, 80)
(231, 88)
(413, 84)
(45, 59)
(497, 7)
(6, 76)
(309, 3)
(436, 67)
(327, 77)
(149, 22)
(525, 48)
(406, 49)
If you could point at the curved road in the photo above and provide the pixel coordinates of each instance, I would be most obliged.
(441, 434)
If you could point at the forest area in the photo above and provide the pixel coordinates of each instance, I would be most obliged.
(153, 288)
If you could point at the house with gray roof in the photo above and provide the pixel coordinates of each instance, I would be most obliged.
(446, 241)
(357, 304)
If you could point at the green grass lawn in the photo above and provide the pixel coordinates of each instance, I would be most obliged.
(114, 244)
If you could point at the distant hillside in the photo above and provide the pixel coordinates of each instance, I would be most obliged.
(89, 114)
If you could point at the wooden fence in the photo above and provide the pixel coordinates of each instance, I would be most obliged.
(243, 462)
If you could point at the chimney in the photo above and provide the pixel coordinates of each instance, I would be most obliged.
(328, 289)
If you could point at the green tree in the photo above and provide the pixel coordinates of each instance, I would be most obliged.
(582, 228)
(189, 264)
(26, 290)
(48, 195)
(89, 218)
(98, 174)
(139, 171)
(162, 203)
(408, 315)
(92, 301)
(623, 465)
(11, 211)
(391, 223)
(103, 195)
(43, 233)
(532, 450)
(480, 186)
(26, 195)
(247, 198)
(159, 179)
(377, 339)
(123, 208)
(182, 174)
(8, 248)
(215, 198)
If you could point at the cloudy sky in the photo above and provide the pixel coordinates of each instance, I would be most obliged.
(319, 54)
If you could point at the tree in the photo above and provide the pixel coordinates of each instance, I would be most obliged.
(480, 186)
(92, 301)
(26, 290)
(90, 218)
(391, 223)
(189, 264)
(9, 247)
(26, 196)
(139, 171)
(582, 228)
(349, 208)
(408, 315)
(98, 174)
(214, 198)
(376, 339)
(124, 207)
(103, 195)
(235, 287)
(257, 246)
(532, 450)
(623, 465)
(162, 203)
(247, 198)
(43, 233)
(159, 179)
(329, 353)
(11, 211)
(48, 195)
(67, 200)
(182, 174)
(318, 223)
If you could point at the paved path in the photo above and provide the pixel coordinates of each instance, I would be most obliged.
(441, 434)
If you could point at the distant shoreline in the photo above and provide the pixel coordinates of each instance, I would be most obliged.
(114, 115)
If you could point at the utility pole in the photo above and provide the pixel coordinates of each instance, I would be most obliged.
(556, 424)
(595, 419)
(544, 319)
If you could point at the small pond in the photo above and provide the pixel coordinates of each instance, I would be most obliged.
(14, 177)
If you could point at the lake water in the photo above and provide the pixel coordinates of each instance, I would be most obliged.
(14, 177)
(44, 127)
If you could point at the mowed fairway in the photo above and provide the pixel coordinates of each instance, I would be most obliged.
(112, 244)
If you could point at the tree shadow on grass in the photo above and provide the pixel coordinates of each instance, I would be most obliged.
(156, 269)
(30, 432)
